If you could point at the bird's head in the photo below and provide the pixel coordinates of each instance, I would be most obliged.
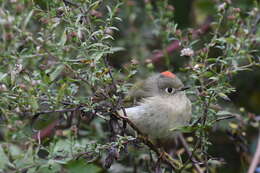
(163, 84)
(167, 83)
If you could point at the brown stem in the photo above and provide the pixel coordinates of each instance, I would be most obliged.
(256, 158)
(50, 129)
(46, 132)
(186, 147)
(175, 45)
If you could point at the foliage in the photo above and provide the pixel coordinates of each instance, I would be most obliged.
(63, 77)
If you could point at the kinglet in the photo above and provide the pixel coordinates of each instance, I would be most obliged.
(164, 106)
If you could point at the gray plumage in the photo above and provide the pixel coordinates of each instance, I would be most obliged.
(161, 108)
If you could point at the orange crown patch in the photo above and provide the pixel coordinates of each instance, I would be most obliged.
(168, 74)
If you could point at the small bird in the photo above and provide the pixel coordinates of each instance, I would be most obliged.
(163, 106)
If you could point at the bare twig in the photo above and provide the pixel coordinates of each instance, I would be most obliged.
(224, 118)
(186, 147)
(67, 3)
(58, 111)
(79, 77)
(175, 45)
(48, 131)
(256, 158)
(37, 43)
(109, 71)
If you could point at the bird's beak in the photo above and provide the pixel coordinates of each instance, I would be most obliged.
(184, 88)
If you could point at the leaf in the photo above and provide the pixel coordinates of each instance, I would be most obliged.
(214, 78)
(76, 166)
(63, 39)
(27, 20)
(4, 161)
(211, 59)
(109, 11)
(96, 45)
(113, 28)
(233, 125)
(94, 5)
(51, 167)
(224, 96)
(208, 74)
(116, 49)
(194, 42)
(107, 36)
(119, 19)
(231, 39)
(56, 72)
(97, 56)
(221, 113)
(185, 129)
(2, 76)
(98, 32)
(27, 158)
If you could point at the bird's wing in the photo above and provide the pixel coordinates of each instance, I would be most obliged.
(133, 113)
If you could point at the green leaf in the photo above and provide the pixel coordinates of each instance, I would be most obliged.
(25, 159)
(185, 129)
(113, 28)
(2, 76)
(56, 72)
(231, 39)
(214, 78)
(221, 113)
(208, 74)
(27, 20)
(34, 103)
(224, 96)
(51, 167)
(211, 59)
(63, 39)
(109, 11)
(4, 161)
(76, 166)
(97, 55)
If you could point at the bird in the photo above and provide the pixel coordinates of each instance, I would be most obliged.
(162, 107)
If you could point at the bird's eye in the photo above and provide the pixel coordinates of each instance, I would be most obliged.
(169, 90)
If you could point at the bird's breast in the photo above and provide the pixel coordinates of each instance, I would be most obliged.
(156, 116)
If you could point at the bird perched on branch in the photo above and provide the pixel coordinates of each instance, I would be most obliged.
(163, 106)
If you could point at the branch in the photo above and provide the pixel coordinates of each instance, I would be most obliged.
(224, 118)
(158, 56)
(50, 129)
(186, 147)
(47, 131)
(256, 158)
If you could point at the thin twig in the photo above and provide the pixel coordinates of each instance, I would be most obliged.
(109, 71)
(224, 118)
(37, 43)
(186, 147)
(175, 45)
(256, 158)
(79, 77)
(58, 111)
(67, 3)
